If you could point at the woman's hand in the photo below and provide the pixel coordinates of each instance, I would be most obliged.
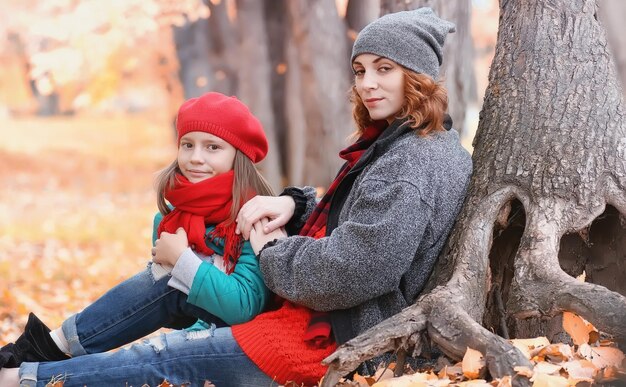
(278, 209)
(258, 237)
(169, 247)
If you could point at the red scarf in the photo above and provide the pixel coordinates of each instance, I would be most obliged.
(197, 205)
(318, 330)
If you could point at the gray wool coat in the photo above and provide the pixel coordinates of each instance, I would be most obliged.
(383, 245)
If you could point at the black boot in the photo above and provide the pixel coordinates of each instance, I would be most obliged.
(35, 345)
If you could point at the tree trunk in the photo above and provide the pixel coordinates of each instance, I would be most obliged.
(323, 87)
(192, 49)
(551, 144)
(206, 50)
(458, 67)
(360, 13)
(612, 13)
(277, 36)
(255, 80)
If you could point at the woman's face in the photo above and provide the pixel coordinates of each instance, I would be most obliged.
(202, 155)
(380, 84)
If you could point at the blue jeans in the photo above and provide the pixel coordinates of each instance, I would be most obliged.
(132, 310)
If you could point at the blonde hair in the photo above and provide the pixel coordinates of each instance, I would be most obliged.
(426, 102)
(247, 183)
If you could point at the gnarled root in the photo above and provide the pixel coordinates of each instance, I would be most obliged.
(541, 288)
(392, 333)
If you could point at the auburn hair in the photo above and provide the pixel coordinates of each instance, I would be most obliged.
(247, 183)
(426, 102)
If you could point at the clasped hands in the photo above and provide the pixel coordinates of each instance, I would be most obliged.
(260, 220)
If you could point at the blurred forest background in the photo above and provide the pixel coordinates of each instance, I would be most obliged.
(89, 91)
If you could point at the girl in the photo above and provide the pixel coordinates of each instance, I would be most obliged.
(216, 278)
(361, 254)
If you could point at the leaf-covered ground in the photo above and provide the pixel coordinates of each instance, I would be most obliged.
(76, 208)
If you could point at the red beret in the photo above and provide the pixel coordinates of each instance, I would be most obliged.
(227, 118)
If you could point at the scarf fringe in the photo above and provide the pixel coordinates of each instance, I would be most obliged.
(233, 243)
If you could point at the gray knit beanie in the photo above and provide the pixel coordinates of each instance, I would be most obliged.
(413, 39)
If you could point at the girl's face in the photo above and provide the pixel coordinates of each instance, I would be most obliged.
(380, 84)
(202, 155)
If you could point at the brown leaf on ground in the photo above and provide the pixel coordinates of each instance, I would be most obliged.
(454, 373)
(363, 381)
(611, 374)
(554, 352)
(503, 382)
(473, 364)
(578, 328)
(580, 370)
(529, 345)
(602, 357)
(523, 371)
(543, 367)
(543, 380)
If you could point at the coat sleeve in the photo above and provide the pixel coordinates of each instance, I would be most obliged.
(364, 257)
(235, 298)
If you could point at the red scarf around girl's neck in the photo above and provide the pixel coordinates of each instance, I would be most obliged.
(197, 205)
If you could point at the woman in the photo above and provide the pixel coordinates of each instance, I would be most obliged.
(363, 253)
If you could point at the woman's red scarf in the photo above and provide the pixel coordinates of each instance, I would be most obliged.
(197, 205)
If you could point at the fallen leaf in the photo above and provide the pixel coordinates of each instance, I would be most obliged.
(543, 380)
(602, 356)
(362, 381)
(611, 374)
(383, 374)
(528, 345)
(473, 363)
(578, 328)
(502, 382)
(418, 379)
(454, 372)
(546, 368)
(475, 383)
(523, 371)
(553, 352)
(580, 370)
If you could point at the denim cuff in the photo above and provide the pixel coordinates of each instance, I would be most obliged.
(28, 374)
(71, 335)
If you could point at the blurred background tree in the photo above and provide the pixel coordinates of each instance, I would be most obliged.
(288, 60)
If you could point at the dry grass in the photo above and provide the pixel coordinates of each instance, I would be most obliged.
(76, 209)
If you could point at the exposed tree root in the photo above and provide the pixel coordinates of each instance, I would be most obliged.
(541, 288)
(389, 335)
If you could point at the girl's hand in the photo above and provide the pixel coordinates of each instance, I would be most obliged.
(169, 247)
(258, 237)
(277, 209)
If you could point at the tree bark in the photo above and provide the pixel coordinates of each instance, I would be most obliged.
(457, 69)
(551, 143)
(323, 73)
(611, 13)
(360, 13)
(255, 80)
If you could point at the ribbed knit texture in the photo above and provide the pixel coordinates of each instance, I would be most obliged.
(224, 117)
(274, 342)
(413, 39)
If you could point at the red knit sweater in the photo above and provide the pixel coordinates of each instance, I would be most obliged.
(274, 341)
